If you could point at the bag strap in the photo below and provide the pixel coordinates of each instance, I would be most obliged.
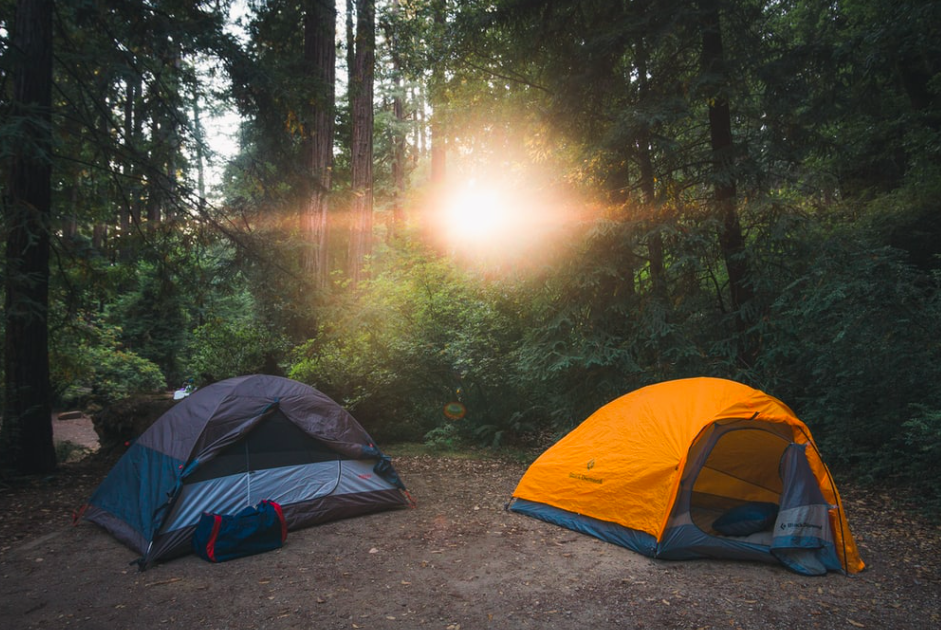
(211, 543)
(280, 513)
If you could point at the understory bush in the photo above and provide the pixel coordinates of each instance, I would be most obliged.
(922, 436)
(599, 329)
(415, 339)
(90, 366)
(153, 320)
(855, 344)
(221, 349)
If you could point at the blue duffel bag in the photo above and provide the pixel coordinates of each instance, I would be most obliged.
(221, 537)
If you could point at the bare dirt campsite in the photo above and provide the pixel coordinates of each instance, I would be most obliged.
(457, 561)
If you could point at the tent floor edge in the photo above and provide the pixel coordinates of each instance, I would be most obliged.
(638, 541)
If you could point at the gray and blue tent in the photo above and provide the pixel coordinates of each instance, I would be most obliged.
(233, 444)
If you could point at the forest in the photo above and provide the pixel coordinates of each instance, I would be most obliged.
(473, 223)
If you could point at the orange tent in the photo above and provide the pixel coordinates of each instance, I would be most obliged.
(664, 469)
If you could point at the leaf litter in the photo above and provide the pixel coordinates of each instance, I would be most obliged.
(440, 565)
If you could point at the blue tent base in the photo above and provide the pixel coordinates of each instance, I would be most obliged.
(634, 540)
(686, 542)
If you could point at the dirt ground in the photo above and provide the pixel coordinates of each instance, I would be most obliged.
(458, 561)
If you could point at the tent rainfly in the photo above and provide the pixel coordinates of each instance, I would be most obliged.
(232, 444)
(695, 468)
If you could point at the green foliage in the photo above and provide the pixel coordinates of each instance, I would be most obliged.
(221, 349)
(71, 452)
(415, 339)
(89, 366)
(922, 437)
(599, 330)
(851, 342)
(153, 319)
(443, 438)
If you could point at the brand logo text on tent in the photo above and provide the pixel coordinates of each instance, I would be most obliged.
(800, 526)
(582, 477)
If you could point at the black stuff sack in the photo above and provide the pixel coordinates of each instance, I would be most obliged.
(221, 537)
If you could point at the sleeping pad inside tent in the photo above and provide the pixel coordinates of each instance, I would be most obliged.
(233, 444)
(695, 468)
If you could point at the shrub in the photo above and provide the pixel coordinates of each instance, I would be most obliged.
(443, 438)
(221, 349)
(89, 366)
(415, 339)
(153, 319)
(851, 344)
(922, 436)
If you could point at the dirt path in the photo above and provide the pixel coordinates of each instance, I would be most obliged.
(75, 428)
(456, 562)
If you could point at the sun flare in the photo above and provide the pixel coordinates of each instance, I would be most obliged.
(506, 220)
(479, 213)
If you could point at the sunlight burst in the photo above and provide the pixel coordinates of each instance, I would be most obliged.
(479, 214)
(503, 219)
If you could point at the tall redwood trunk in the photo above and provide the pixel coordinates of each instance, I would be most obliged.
(398, 132)
(361, 91)
(131, 211)
(731, 239)
(127, 208)
(438, 101)
(647, 185)
(320, 62)
(26, 436)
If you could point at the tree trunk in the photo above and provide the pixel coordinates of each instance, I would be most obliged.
(199, 137)
(438, 102)
(361, 96)
(320, 62)
(167, 143)
(130, 220)
(124, 219)
(421, 141)
(398, 132)
(174, 114)
(350, 38)
(731, 239)
(654, 234)
(130, 212)
(26, 435)
(648, 187)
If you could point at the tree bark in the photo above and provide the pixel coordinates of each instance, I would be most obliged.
(438, 102)
(26, 443)
(398, 132)
(350, 37)
(320, 62)
(361, 90)
(131, 210)
(648, 184)
(421, 141)
(731, 238)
